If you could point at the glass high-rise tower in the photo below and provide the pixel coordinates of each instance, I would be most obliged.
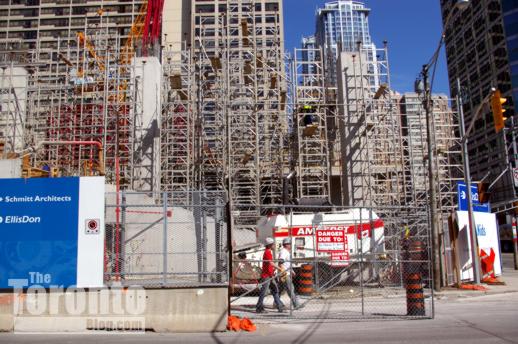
(477, 46)
(340, 26)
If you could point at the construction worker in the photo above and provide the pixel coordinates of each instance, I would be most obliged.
(268, 278)
(286, 275)
(307, 108)
(308, 119)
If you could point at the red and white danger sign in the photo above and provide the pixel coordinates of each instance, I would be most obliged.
(362, 230)
(329, 240)
(340, 258)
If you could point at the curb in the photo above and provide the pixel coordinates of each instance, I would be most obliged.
(473, 293)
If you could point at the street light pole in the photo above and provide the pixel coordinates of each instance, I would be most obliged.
(467, 180)
(430, 139)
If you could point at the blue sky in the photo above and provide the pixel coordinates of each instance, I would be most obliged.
(411, 27)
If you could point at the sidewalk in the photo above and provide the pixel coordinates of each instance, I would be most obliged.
(509, 276)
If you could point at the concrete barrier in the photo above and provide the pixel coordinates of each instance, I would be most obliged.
(164, 310)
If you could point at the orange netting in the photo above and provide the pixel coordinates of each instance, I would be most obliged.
(492, 281)
(238, 324)
(472, 287)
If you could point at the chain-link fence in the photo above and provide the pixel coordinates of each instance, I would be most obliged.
(349, 263)
(159, 239)
(344, 263)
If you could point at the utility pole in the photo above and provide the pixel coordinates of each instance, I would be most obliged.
(467, 180)
(436, 261)
(460, 5)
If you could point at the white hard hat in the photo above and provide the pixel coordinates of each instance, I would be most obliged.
(286, 241)
(268, 241)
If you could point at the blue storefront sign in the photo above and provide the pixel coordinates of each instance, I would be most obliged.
(462, 197)
(39, 230)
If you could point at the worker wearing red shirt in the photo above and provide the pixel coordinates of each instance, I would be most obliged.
(268, 279)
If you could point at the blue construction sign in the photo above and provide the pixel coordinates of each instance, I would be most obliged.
(41, 230)
(462, 197)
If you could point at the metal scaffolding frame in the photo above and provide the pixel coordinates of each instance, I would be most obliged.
(13, 103)
(79, 91)
(210, 134)
(242, 116)
(371, 134)
(372, 146)
(310, 121)
(236, 114)
(272, 90)
(448, 158)
(241, 91)
(384, 151)
(177, 123)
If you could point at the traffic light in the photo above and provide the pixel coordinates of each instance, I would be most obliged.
(498, 111)
(483, 193)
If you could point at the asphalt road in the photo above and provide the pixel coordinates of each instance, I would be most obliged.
(482, 319)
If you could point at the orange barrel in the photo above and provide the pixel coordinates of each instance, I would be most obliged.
(418, 256)
(304, 285)
(414, 294)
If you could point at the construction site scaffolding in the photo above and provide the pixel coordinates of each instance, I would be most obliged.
(384, 152)
(177, 124)
(241, 114)
(373, 169)
(310, 124)
(80, 91)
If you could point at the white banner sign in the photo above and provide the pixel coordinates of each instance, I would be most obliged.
(487, 235)
(515, 176)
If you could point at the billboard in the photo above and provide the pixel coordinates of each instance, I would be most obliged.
(52, 231)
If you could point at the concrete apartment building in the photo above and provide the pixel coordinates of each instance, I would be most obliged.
(477, 54)
(41, 23)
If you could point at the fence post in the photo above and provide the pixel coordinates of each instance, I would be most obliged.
(122, 234)
(218, 226)
(315, 223)
(359, 237)
(164, 242)
(198, 230)
(230, 268)
(204, 238)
